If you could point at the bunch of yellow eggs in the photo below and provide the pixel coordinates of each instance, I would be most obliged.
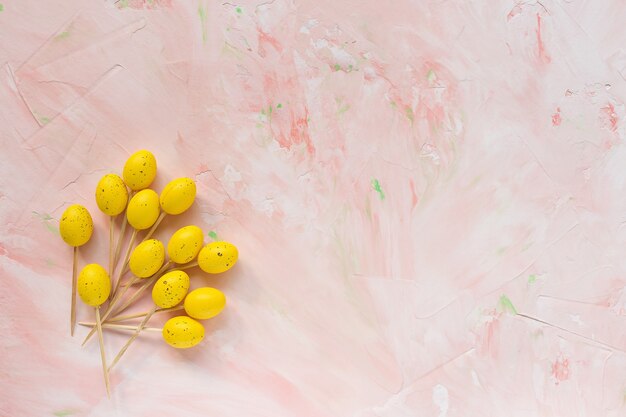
(149, 263)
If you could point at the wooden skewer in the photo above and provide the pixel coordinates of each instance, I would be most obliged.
(127, 256)
(137, 315)
(118, 248)
(133, 337)
(120, 326)
(111, 249)
(155, 225)
(127, 283)
(73, 306)
(186, 266)
(102, 354)
(146, 284)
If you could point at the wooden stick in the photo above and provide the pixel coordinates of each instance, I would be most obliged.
(149, 281)
(102, 355)
(109, 310)
(73, 305)
(125, 284)
(120, 326)
(137, 315)
(149, 234)
(133, 337)
(186, 266)
(125, 266)
(123, 232)
(118, 248)
(155, 225)
(111, 249)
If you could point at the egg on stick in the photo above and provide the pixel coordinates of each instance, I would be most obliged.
(94, 287)
(183, 332)
(111, 197)
(76, 228)
(216, 257)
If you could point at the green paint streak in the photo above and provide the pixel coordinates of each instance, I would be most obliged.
(279, 106)
(213, 235)
(532, 278)
(337, 67)
(350, 68)
(409, 114)
(266, 114)
(202, 15)
(123, 3)
(393, 104)
(341, 106)
(44, 120)
(46, 218)
(63, 35)
(238, 9)
(1, 7)
(63, 413)
(376, 187)
(431, 76)
(506, 305)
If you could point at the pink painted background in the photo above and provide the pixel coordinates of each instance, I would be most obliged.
(429, 199)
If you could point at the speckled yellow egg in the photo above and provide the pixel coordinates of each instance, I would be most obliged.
(183, 332)
(111, 195)
(170, 289)
(217, 257)
(140, 170)
(94, 285)
(178, 195)
(143, 209)
(147, 258)
(76, 225)
(185, 244)
(204, 303)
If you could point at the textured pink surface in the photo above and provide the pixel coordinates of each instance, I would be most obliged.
(429, 198)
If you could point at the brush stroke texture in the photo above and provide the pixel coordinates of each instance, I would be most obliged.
(428, 198)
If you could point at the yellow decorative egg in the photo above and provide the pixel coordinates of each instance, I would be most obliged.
(94, 285)
(111, 195)
(204, 303)
(217, 257)
(143, 209)
(183, 332)
(178, 195)
(170, 289)
(147, 258)
(140, 170)
(76, 225)
(185, 244)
